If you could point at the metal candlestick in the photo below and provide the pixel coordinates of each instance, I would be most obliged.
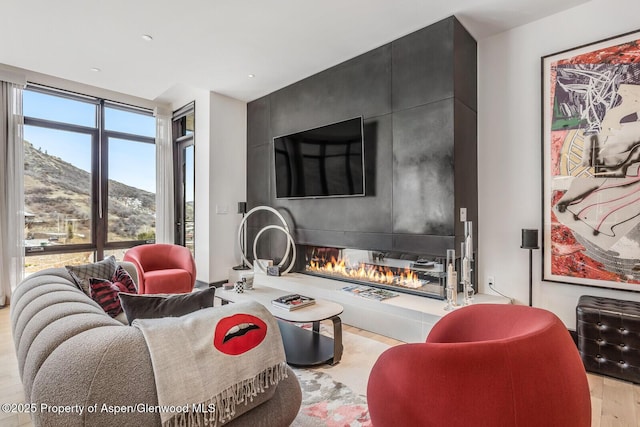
(467, 257)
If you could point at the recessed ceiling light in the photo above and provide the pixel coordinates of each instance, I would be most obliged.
(147, 37)
(251, 76)
(95, 69)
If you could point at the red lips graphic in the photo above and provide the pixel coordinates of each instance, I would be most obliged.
(239, 333)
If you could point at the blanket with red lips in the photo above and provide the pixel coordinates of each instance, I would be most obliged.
(209, 361)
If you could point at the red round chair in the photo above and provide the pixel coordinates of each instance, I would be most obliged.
(484, 365)
(163, 268)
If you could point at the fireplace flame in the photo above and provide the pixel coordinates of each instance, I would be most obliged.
(367, 272)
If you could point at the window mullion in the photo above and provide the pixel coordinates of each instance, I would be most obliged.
(131, 137)
(101, 184)
(51, 124)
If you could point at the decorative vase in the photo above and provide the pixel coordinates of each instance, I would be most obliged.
(239, 288)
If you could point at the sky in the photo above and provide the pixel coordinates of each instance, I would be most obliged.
(131, 163)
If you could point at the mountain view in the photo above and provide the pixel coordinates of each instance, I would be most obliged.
(58, 204)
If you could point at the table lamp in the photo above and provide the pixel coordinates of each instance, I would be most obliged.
(242, 209)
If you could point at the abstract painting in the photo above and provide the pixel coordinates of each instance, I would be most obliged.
(591, 164)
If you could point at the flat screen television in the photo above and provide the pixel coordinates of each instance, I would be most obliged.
(326, 161)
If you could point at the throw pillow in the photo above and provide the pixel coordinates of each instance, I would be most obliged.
(98, 270)
(157, 306)
(105, 292)
(122, 275)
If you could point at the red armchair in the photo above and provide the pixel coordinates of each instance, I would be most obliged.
(163, 268)
(484, 365)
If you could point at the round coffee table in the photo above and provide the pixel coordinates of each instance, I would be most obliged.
(302, 347)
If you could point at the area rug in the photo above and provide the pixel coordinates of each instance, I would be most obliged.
(336, 395)
(326, 402)
(358, 357)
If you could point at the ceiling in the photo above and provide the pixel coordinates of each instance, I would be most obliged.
(216, 44)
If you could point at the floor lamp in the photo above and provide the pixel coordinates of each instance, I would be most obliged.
(242, 209)
(530, 241)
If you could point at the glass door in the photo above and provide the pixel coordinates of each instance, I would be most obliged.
(186, 222)
(183, 135)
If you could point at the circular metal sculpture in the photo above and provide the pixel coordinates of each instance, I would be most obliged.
(284, 228)
(290, 243)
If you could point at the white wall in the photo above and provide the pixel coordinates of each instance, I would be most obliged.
(228, 181)
(220, 176)
(178, 96)
(509, 147)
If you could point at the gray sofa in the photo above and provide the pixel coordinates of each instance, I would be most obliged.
(70, 352)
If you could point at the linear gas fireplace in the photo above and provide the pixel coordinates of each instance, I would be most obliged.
(402, 272)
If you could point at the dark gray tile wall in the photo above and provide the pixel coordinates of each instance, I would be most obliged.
(465, 152)
(423, 66)
(417, 173)
(358, 87)
(465, 61)
(423, 244)
(258, 128)
(423, 167)
(258, 175)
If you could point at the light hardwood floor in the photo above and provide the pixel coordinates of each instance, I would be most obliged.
(614, 403)
(10, 384)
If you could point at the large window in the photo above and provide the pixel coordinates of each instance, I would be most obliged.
(183, 137)
(89, 177)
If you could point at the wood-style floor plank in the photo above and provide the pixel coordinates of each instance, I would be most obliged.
(11, 390)
(595, 388)
(636, 398)
(595, 385)
(618, 404)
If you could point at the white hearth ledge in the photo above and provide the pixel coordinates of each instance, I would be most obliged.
(407, 318)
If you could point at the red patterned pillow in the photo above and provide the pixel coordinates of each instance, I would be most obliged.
(123, 277)
(105, 292)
